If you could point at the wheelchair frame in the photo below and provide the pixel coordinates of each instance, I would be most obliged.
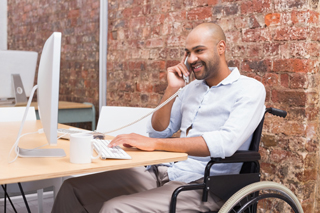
(248, 181)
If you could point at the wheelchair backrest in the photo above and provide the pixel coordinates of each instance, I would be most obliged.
(250, 167)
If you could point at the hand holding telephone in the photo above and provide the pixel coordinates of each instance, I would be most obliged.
(186, 78)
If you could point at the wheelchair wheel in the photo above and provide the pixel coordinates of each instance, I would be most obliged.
(262, 197)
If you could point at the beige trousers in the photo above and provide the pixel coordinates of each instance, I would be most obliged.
(133, 190)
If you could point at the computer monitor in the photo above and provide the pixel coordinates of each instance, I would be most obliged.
(48, 86)
(48, 96)
(22, 63)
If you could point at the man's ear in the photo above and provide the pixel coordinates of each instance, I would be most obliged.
(221, 47)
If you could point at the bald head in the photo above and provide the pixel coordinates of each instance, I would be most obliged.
(211, 30)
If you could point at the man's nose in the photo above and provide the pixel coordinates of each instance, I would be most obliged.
(192, 58)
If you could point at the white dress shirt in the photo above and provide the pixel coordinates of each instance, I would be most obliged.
(225, 116)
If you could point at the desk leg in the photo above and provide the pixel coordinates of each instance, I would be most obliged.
(5, 199)
(24, 197)
(93, 121)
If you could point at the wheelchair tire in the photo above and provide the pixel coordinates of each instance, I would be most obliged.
(282, 193)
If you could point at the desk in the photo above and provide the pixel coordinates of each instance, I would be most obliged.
(71, 112)
(28, 169)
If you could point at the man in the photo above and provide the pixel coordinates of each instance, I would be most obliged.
(216, 113)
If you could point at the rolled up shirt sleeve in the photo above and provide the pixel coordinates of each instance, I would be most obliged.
(244, 117)
(174, 125)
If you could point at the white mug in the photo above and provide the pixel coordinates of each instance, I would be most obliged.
(81, 148)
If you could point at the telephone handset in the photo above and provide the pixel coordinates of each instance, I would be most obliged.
(186, 78)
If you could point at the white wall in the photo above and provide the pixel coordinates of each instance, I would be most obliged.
(3, 24)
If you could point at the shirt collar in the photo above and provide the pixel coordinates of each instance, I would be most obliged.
(232, 77)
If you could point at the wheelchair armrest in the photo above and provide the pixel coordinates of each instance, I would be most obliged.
(238, 156)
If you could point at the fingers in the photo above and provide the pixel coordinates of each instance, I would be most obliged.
(184, 57)
(124, 139)
(180, 69)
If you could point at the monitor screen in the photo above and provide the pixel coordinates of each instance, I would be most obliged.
(16, 62)
(48, 86)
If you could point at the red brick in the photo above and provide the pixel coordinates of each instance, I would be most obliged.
(289, 97)
(154, 20)
(157, 42)
(299, 16)
(241, 22)
(268, 168)
(234, 63)
(213, 2)
(137, 65)
(282, 5)
(137, 22)
(160, 88)
(157, 65)
(256, 35)
(256, 65)
(225, 10)
(126, 13)
(176, 41)
(272, 19)
(313, 49)
(291, 33)
(27, 8)
(312, 98)
(201, 13)
(73, 13)
(308, 206)
(271, 49)
(176, 16)
(312, 113)
(315, 33)
(144, 98)
(270, 79)
(313, 17)
(171, 63)
(144, 87)
(238, 50)
(155, 32)
(253, 23)
(292, 65)
(254, 50)
(233, 36)
(160, 7)
(298, 81)
(255, 6)
(199, 3)
(278, 155)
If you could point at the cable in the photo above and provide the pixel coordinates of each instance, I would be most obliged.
(16, 147)
(157, 108)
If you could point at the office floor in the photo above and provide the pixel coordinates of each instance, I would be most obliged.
(32, 201)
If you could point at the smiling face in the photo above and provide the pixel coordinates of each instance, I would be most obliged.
(204, 55)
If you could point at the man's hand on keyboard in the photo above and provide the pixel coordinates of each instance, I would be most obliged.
(134, 140)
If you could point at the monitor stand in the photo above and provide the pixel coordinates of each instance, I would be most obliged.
(41, 153)
(19, 92)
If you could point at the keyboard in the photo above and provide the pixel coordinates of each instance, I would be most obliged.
(65, 133)
(106, 152)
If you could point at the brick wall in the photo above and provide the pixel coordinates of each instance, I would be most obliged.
(274, 41)
(31, 22)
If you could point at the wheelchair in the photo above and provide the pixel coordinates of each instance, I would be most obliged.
(244, 192)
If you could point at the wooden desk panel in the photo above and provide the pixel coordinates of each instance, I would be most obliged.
(28, 169)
